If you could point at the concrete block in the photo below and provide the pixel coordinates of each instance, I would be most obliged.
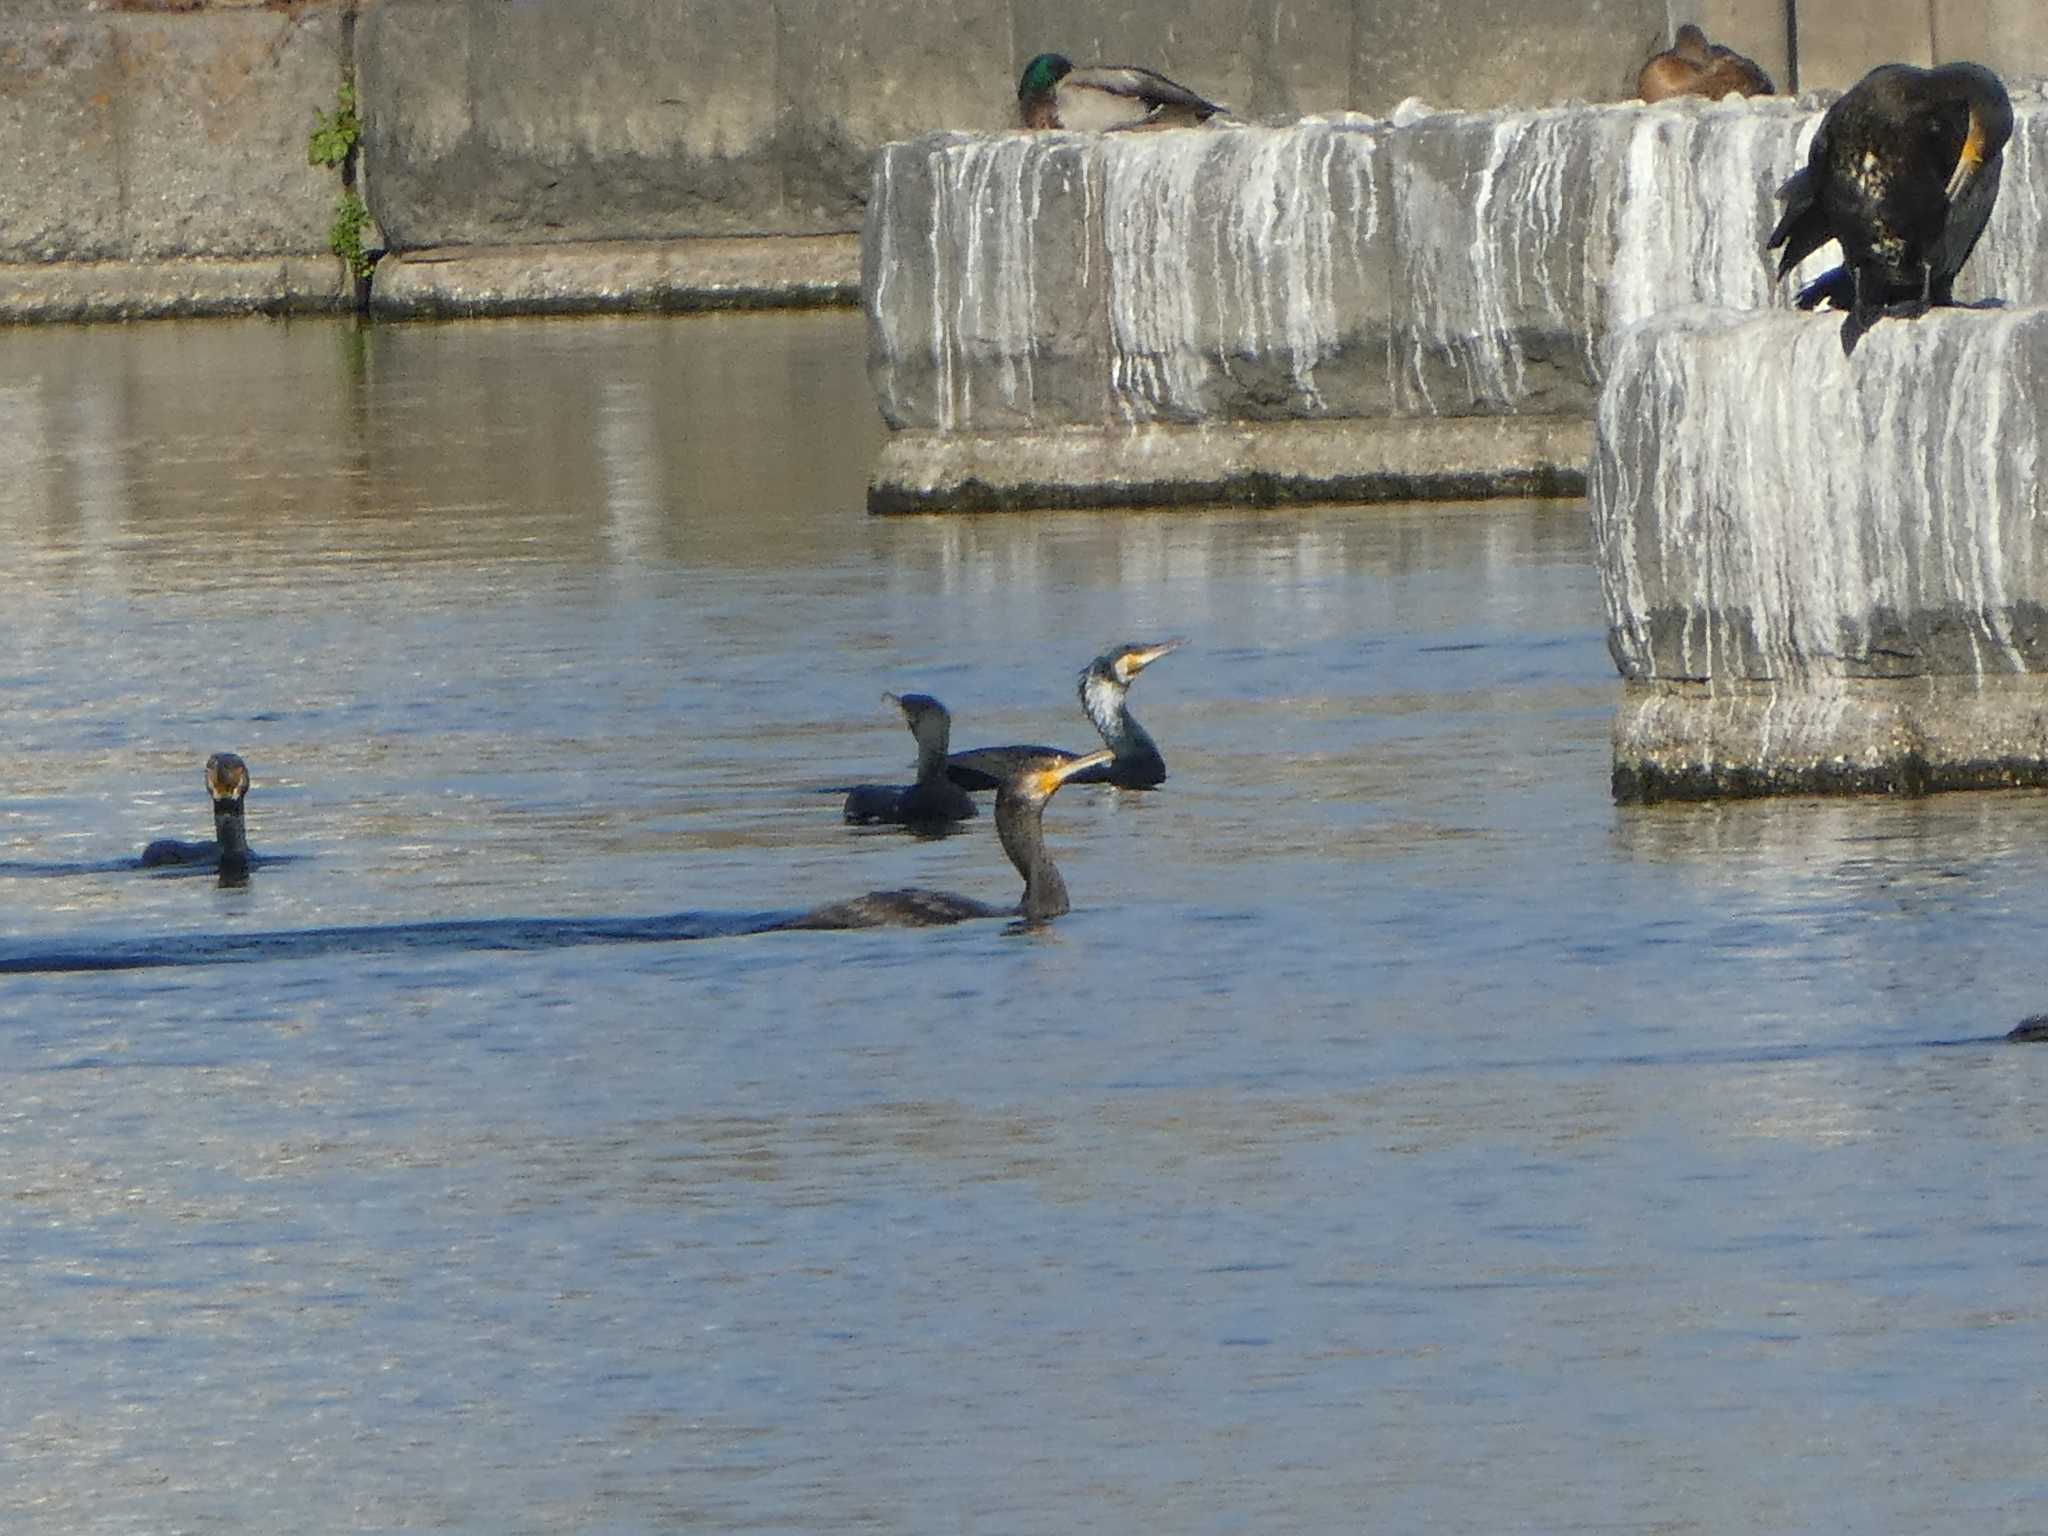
(1766, 509)
(136, 136)
(570, 119)
(1502, 53)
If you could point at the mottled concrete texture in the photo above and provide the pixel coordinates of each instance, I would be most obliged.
(136, 137)
(673, 275)
(1824, 572)
(1256, 463)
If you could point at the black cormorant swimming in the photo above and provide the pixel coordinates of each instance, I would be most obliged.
(227, 781)
(1020, 806)
(1104, 686)
(1692, 66)
(1903, 171)
(1052, 93)
(934, 801)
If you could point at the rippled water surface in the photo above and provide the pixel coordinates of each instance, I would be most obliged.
(1397, 1135)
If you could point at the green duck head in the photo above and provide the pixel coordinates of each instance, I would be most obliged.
(1042, 74)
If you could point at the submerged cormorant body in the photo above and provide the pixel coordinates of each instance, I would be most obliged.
(227, 781)
(1052, 93)
(1903, 172)
(1020, 808)
(1692, 66)
(934, 800)
(1104, 687)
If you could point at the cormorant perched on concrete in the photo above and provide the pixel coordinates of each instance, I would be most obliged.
(1692, 66)
(227, 781)
(1020, 807)
(1903, 171)
(934, 800)
(1054, 94)
(1104, 686)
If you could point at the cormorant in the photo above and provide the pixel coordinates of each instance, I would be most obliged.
(227, 781)
(1054, 94)
(1104, 685)
(1020, 806)
(1692, 66)
(933, 801)
(1903, 171)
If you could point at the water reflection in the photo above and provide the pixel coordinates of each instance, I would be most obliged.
(1387, 1086)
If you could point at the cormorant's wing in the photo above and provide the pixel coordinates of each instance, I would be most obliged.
(1803, 227)
(1966, 221)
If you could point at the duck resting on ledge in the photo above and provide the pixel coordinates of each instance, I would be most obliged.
(1053, 93)
(933, 801)
(227, 781)
(1692, 66)
(1104, 687)
(1903, 171)
(1020, 809)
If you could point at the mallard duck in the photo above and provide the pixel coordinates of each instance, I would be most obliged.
(1095, 97)
(1903, 171)
(1692, 66)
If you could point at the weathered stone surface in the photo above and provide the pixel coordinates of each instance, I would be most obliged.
(785, 272)
(180, 289)
(1386, 459)
(131, 137)
(1822, 572)
(1497, 53)
(1036, 279)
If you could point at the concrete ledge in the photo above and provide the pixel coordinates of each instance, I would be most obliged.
(162, 290)
(1262, 464)
(787, 272)
(1695, 741)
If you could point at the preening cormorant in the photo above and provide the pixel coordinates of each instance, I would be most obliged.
(1903, 171)
(227, 781)
(1692, 66)
(934, 800)
(1020, 807)
(1104, 687)
(1054, 94)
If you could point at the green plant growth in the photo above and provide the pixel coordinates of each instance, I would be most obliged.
(333, 143)
(335, 134)
(345, 234)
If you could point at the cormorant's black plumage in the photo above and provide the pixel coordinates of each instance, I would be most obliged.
(1903, 171)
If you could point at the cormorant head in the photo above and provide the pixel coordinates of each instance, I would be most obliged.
(1034, 779)
(1990, 121)
(1122, 665)
(1042, 74)
(227, 780)
(929, 720)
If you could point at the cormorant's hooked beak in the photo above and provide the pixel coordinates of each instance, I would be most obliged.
(1970, 161)
(1040, 783)
(1139, 658)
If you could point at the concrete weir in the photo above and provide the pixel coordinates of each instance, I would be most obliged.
(1395, 275)
(1825, 573)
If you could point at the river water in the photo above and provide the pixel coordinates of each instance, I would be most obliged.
(1397, 1134)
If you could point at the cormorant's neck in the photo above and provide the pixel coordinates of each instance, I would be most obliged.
(1020, 825)
(1104, 698)
(933, 738)
(233, 833)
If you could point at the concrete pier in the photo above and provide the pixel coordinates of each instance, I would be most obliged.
(1824, 573)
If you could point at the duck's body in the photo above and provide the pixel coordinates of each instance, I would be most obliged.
(933, 801)
(1053, 93)
(1903, 171)
(1692, 66)
(227, 781)
(1104, 686)
(1020, 808)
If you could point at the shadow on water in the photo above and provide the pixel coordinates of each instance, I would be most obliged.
(506, 933)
